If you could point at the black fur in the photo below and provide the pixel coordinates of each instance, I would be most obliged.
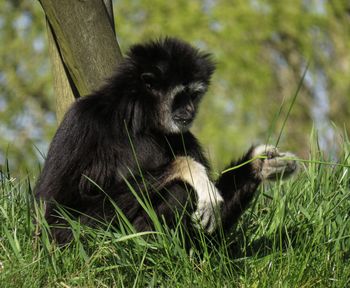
(114, 138)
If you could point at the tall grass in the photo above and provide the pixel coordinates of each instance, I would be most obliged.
(296, 234)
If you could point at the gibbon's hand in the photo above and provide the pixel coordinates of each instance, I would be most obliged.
(209, 199)
(277, 165)
(207, 213)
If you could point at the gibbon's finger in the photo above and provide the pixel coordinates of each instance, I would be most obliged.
(212, 225)
(278, 168)
(206, 218)
(265, 150)
(279, 162)
(203, 214)
(202, 218)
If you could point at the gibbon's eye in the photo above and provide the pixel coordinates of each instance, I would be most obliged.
(195, 95)
(148, 79)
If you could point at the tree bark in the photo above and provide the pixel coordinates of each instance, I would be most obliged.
(62, 86)
(83, 47)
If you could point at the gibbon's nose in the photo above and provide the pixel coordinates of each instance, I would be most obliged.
(190, 109)
(188, 113)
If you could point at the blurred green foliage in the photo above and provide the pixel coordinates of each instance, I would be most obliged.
(26, 101)
(261, 48)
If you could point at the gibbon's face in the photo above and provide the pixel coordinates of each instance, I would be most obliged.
(181, 106)
(174, 76)
(177, 106)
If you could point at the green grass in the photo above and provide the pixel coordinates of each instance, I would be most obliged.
(296, 234)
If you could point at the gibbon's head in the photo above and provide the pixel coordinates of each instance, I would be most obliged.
(172, 76)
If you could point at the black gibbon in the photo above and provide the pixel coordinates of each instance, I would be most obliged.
(134, 132)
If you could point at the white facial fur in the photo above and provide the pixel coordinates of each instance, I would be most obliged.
(197, 86)
(165, 114)
(165, 117)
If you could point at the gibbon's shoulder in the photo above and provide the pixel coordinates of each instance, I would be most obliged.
(88, 110)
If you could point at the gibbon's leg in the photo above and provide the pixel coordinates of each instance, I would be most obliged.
(169, 198)
(171, 203)
(238, 186)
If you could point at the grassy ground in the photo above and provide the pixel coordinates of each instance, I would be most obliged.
(296, 234)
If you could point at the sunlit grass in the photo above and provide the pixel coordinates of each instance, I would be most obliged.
(296, 234)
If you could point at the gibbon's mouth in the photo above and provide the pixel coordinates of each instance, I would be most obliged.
(183, 122)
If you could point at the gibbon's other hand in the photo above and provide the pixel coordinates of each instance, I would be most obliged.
(276, 165)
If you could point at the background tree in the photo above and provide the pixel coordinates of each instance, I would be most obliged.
(80, 64)
(261, 48)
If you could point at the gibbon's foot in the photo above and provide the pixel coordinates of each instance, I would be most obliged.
(277, 165)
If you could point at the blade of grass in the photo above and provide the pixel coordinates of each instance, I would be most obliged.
(244, 163)
(274, 121)
(293, 101)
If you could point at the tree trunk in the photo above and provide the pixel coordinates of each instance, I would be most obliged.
(83, 47)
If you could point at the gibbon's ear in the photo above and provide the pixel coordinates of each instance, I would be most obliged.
(148, 79)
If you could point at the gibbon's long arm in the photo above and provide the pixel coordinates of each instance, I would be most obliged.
(234, 190)
(238, 186)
